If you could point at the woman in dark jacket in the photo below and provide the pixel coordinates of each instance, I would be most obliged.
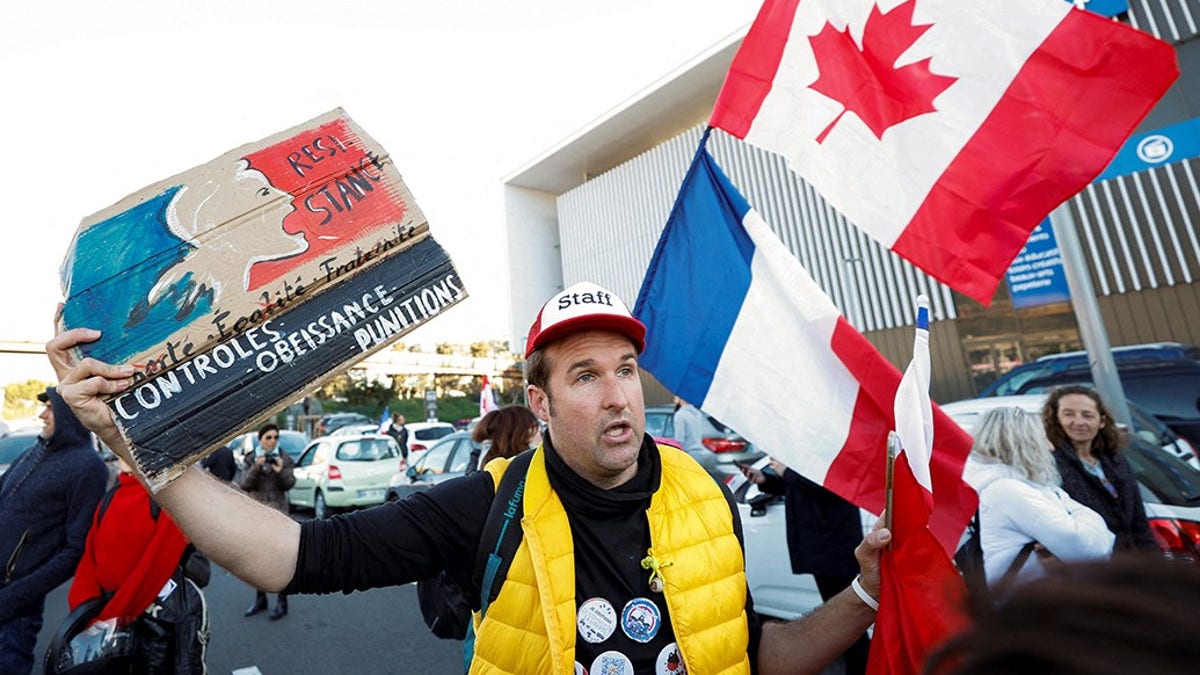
(267, 476)
(1086, 443)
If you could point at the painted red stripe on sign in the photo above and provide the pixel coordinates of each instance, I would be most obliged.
(1058, 125)
(753, 69)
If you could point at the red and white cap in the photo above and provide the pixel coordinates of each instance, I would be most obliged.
(583, 306)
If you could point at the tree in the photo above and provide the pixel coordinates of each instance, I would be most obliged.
(20, 398)
(356, 390)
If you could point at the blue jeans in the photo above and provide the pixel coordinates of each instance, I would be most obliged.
(18, 639)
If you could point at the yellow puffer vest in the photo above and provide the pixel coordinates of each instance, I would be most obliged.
(530, 628)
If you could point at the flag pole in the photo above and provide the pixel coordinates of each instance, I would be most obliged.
(892, 445)
(1087, 314)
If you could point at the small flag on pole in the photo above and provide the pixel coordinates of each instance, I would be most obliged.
(487, 398)
(729, 311)
(385, 420)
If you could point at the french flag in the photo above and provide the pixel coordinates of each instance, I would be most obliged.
(947, 130)
(487, 398)
(738, 327)
(922, 597)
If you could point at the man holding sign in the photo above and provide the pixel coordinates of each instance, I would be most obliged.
(630, 546)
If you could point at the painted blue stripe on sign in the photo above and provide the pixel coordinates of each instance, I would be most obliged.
(696, 282)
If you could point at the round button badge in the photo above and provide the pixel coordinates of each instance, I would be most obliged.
(641, 619)
(612, 663)
(670, 661)
(596, 620)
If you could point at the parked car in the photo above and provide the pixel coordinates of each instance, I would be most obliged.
(447, 458)
(341, 472)
(1146, 426)
(355, 429)
(421, 435)
(725, 449)
(331, 422)
(776, 591)
(1170, 487)
(1171, 391)
(291, 442)
(13, 443)
(1163, 378)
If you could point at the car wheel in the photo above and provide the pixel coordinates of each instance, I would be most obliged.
(320, 509)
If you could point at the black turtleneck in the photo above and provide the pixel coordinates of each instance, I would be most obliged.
(440, 528)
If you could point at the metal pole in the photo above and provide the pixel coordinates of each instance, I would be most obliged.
(1087, 314)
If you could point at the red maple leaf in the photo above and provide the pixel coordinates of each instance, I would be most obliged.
(865, 80)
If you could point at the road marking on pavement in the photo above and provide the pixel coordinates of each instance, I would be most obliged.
(252, 670)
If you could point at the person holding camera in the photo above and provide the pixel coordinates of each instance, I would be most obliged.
(267, 476)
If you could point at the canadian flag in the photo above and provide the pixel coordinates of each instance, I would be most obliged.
(945, 129)
(487, 399)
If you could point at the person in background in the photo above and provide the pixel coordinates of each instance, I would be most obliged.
(399, 432)
(133, 551)
(689, 424)
(505, 432)
(1126, 615)
(1086, 446)
(221, 464)
(822, 531)
(47, 497)
(1027, 523)
(267, 476)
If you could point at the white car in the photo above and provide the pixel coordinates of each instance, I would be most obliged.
(1170, 487)
(340, 472)
(1149, 428)
(776, 591)
(421, 435)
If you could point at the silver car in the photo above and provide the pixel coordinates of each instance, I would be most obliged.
(723, 450)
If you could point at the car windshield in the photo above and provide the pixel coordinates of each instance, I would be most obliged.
(434, 460)
(1168, 479)
(12, 446)
(1016, 378)
(432, 433)
(656, 423)
(293, 443)
(365, 450)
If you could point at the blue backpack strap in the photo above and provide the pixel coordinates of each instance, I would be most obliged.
(503, 527)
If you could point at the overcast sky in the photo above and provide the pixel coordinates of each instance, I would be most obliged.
(104, 97)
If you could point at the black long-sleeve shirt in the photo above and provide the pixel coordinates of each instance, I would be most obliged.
(440, 529)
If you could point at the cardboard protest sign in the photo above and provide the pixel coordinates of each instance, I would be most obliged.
(245, 283)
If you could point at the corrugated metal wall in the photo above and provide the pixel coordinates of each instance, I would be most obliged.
(610, 225)
(1171, 20)
(1139, 231)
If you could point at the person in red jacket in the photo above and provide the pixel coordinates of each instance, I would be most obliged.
(131, 555)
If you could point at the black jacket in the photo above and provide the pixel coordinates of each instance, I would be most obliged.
(822, 528)
(47, 498)
(1124, 515)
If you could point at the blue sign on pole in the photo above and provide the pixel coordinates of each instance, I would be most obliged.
(1105, 7)
(1036, 275)
(1156, 148)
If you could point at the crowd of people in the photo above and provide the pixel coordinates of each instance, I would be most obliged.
(610, 552)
